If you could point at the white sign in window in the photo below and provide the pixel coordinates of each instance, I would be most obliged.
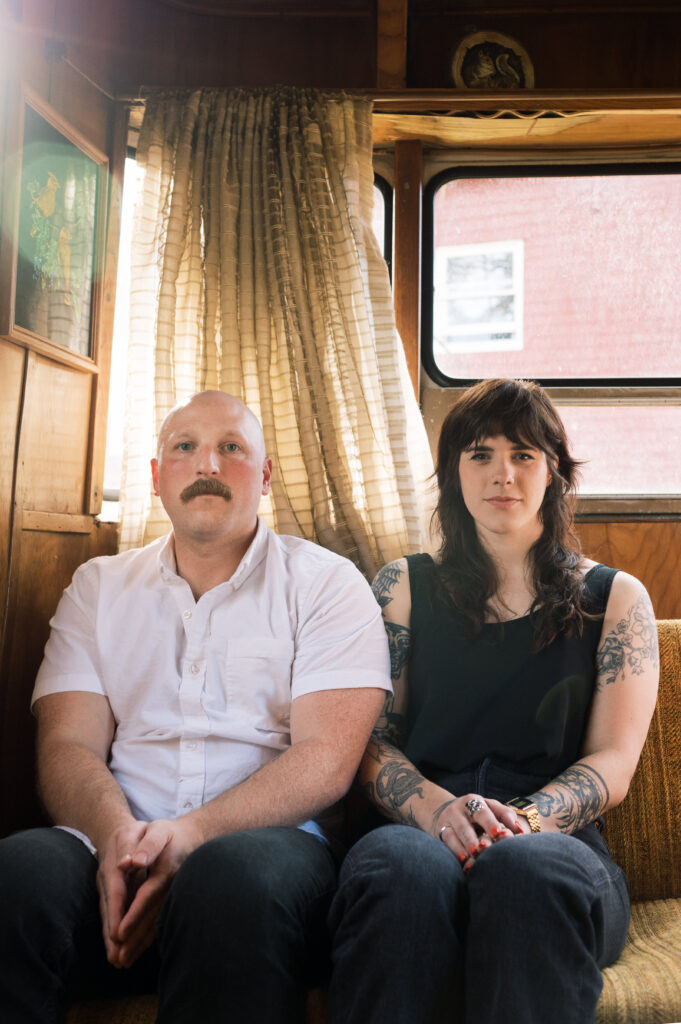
(478, 297)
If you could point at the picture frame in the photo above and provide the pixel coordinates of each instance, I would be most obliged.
(52, 256)
(491, 60)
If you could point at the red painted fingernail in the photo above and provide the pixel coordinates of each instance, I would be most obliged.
(472, 849)
(462, 857)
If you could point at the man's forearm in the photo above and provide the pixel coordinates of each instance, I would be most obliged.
(296, 786)
(77, 789)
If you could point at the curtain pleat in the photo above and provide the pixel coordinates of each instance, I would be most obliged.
(255, 271)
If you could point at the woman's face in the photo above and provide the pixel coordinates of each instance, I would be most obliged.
(503, 484)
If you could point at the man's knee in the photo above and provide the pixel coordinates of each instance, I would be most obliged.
(255, 873)
(45, 874)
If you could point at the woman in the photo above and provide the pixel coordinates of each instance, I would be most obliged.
(524, 678)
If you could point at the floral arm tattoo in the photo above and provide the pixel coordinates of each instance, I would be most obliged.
(575, 797)
(628, 646)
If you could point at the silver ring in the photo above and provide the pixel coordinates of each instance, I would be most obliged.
(473, 806)
(443, 829)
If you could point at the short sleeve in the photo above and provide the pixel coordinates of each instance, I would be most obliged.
(70, 660)
(341, 641)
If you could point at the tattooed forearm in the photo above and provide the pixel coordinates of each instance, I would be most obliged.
(399, 639)
(395, 784)
(385, 581)
(575, 798)
(631, 644)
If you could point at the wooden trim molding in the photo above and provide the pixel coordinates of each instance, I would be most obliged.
(407, 262)
(55, 522)
(453, 101)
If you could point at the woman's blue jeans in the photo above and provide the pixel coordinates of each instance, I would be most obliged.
(519, 939)
(241, 935)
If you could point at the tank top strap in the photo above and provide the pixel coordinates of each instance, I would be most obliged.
(597, 586)
(418, 563)
(421, 579)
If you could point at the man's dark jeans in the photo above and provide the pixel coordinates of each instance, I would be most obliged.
(241, 934)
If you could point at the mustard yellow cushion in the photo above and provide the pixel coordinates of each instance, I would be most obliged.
(644, 985)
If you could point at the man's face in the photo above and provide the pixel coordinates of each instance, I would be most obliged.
(211, 469)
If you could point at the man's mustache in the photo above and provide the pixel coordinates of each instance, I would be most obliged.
(206, 485)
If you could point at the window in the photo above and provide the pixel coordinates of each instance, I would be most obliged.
(383, 218)
(569, 276)
(119, 353)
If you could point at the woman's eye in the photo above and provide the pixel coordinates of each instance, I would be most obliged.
(479, 457)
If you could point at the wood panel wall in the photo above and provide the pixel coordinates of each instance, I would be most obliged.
(572, 45)
(53, 405)
(649, 550)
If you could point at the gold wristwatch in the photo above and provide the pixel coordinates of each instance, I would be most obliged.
(528, 809)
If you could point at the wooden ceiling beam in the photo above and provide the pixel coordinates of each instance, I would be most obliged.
(603, 129)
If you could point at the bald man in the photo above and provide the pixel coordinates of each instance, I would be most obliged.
(201, 703)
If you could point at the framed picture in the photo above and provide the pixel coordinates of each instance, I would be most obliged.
(491, 60)
(53, 246)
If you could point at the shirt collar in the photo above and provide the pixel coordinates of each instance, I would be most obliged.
(254, 555)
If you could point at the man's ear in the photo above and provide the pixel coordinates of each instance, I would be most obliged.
(154, 474)
(266, 475)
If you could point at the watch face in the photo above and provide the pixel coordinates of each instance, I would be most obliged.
(521, 803)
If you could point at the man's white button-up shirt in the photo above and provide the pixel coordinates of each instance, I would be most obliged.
(201, 690)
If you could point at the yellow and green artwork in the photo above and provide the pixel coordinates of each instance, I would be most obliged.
(57, 232)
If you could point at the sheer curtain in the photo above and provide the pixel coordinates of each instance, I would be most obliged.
(255, 271)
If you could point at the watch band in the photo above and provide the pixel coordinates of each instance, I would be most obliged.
(532, 815)
(528, 810)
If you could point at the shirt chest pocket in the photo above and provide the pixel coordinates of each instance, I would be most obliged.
(258, 676)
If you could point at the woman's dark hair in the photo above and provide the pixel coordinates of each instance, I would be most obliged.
(522, 411)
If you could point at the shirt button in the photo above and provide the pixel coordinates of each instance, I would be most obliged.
(186, 614)
(191, 746)
(194, 669)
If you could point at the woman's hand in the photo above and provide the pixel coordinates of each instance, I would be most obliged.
(470, 824)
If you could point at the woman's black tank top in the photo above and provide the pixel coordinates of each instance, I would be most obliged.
(493, 696)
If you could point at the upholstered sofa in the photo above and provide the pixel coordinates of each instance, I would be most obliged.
(644, 832)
